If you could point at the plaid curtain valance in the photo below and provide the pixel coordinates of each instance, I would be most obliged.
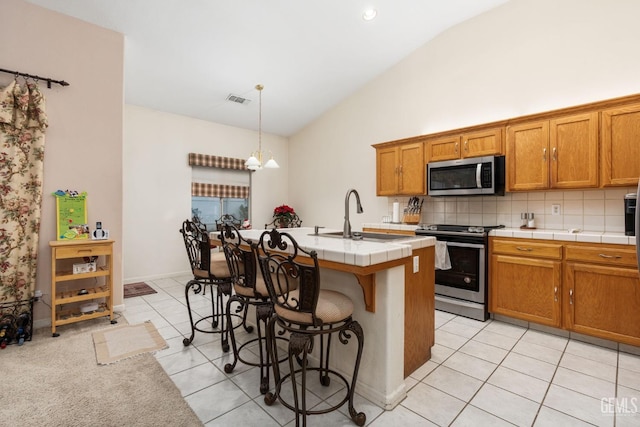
(196, 159)
(200, 189)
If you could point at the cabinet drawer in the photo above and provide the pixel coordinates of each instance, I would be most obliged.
(526, 248)
(82, 251)
(603, 255)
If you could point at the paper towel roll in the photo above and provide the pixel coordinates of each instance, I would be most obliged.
(396, 212)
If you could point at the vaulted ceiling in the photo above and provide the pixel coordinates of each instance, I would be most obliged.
(187, 57)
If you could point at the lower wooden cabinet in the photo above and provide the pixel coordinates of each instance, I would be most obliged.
(526, 286)
(587, 288)
(602, 293)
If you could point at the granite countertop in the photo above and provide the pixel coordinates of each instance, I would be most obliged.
(346, 251)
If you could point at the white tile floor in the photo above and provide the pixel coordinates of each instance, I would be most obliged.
(480, 374)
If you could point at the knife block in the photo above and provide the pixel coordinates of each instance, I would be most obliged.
(411, 218)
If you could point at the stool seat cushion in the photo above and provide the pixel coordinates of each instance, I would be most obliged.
(261, 288)
(332, 307)
(247, 291)
(219, 267)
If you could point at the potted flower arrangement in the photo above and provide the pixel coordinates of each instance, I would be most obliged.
(283, 215)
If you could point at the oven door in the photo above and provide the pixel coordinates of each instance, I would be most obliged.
(465, 279)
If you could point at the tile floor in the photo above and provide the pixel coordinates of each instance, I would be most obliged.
(480, 374)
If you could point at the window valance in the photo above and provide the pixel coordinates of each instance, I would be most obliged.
(207, 160)
(201, 189)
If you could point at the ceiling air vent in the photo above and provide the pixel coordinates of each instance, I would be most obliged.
(238, 99)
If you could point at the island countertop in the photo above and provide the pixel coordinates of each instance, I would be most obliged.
(361, 253)
(362, 258)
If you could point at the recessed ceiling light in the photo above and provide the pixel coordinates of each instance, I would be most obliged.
(369, 14)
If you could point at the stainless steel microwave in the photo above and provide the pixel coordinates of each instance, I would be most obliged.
(467, 177)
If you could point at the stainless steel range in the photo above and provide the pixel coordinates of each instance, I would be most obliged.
(462, 288)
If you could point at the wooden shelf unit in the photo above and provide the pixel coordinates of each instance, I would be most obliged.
(64, 290)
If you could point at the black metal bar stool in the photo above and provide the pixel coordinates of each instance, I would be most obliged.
(307, 312)
(249, 290)
(209, 270)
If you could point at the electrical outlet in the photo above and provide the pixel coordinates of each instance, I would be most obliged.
(37, 295)
(416, 264)
(555, 210)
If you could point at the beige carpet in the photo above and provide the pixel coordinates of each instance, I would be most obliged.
(124, 341)
(57, 382)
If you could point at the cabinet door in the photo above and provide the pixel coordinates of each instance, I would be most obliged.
(527, 156)
(526, 288)
(603, 302)
(412, 178)
(444, 149)
(620, 136)
(387, 171)
(574, 151)
(485, 143)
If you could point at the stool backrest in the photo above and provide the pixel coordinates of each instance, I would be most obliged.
(198, 222)
(241, 258)
(291, 274)
(198, 246)
(227, 219)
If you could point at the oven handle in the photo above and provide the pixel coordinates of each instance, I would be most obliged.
(479, 175)
(464, 245)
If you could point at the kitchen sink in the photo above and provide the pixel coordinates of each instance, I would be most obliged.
(357, 235)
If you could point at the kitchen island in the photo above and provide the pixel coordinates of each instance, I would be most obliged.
(391, 284)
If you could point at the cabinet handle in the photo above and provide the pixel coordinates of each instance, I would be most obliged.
(466, 146)
(555, 294)
(84, 250)
(544, 154)
(456, 147)
(555, 155)
(520, 248)
(400, 169)
(570, 296)
(610, 256)
(396, 171)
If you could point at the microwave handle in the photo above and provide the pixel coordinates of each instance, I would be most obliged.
(479, 175)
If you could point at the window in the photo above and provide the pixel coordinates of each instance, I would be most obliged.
(209, 209)
(219, 186)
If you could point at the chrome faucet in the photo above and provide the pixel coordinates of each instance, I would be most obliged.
(346, 231)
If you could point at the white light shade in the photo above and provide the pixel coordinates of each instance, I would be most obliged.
(271, 164)
(252, 163)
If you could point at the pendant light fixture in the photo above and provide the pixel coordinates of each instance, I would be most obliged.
(255, 161)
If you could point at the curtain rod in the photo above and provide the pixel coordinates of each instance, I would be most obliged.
(47, 79)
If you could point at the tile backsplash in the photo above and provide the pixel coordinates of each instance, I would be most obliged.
(588, 210)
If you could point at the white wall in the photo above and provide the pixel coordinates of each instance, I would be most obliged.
(157, 190)
(524, 57)
(83, 147)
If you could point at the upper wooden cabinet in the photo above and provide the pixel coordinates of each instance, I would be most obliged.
(620, 136)
(473, 144)
(400, 170)
(558, 153)
(584, 146)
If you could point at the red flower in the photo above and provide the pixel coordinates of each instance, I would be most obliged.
(284, 211)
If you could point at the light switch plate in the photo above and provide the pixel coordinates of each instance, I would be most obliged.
(416, 264)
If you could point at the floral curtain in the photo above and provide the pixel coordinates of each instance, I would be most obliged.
(22, 126)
